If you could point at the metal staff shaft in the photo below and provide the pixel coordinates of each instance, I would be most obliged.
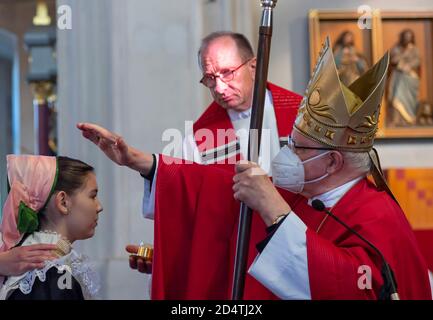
(245, 219)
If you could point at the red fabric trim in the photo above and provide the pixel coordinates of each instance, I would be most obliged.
(286, 105)
(213, 117)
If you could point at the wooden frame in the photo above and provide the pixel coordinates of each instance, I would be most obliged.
(379, 37)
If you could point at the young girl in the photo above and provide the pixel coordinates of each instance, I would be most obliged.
(51, 201)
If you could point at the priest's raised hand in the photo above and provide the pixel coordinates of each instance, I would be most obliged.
(116, 148)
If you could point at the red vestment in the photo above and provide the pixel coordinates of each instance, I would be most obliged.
(196, 221)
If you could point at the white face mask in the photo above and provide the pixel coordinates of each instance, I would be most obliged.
(288, 170)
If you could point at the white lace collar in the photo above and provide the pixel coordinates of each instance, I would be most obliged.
(77, 264)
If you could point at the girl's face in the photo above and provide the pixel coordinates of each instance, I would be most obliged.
(84, 210)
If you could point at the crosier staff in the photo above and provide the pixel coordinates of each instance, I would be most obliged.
(245, 219)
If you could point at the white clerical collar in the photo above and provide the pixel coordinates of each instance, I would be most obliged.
(236, 115)
(330, 198)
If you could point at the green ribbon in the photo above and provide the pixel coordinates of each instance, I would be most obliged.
(27, 219)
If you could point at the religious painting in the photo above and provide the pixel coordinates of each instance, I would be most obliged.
(407, 107)
(407, 110)
(352, 46)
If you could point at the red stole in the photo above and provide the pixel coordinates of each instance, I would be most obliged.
(215, 135)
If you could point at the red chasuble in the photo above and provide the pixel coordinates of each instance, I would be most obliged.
(204, 278)
(196, 221)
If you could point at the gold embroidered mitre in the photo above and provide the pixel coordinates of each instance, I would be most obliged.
(341, 117)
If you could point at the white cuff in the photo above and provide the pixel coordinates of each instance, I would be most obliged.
(282, 267)
(149, 195)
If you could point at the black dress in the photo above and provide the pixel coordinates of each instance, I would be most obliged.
(50, 289)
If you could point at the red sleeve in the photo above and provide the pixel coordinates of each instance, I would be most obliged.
(337, 264)
(333, 271)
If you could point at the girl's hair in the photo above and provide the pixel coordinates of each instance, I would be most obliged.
(72, 174)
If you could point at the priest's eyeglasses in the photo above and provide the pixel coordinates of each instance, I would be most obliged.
(291, 144)
(209, 79)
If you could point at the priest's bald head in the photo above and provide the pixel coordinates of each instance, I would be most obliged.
(228, 65)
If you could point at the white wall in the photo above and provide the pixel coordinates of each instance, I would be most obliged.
(131, 66)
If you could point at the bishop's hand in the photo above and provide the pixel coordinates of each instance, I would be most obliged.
(253, 187)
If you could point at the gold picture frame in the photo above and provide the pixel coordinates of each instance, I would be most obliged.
(372, 44)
